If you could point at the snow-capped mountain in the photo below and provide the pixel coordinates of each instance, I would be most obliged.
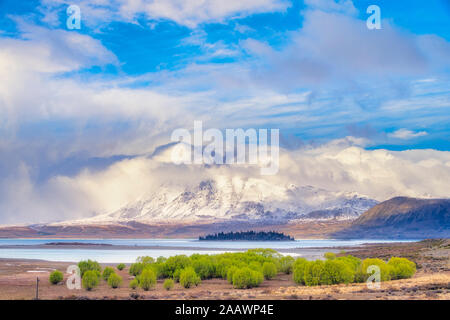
(237, 199)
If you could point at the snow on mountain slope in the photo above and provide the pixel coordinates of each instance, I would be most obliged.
(235, 199)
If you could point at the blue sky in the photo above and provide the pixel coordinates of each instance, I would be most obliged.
(147, 45)
(155, 47)
(74, 100)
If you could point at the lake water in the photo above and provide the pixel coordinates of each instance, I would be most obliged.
(165, 248)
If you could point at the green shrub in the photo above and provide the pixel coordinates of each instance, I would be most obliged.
(107, 272)
(90, 279)
(168, 284)
(114, 280)
(56, 277)
(337, 272)
(145, 263)
(329, 256)
(314, 273)
(134, 284)
(257, 278)
(121, 266)
(161, 260)
(189, 278)
(353, 262)
(269, 270)
(176, 275)
(222, 266)
(299, 270)
(286, 264)
(136, 269)
(204, 267)
(385, 270)
(145, 260)
(256, 266)
(158, 269)
(230, 273)
(172, 264)
(247, 278)
(89, 265)
(147, 279)
(242, 278)
(401, 268)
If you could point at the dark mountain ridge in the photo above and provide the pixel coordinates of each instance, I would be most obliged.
(402, 218)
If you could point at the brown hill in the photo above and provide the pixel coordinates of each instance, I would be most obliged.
(402, 217)
(303, 230)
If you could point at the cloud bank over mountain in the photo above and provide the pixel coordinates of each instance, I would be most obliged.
(340, 166)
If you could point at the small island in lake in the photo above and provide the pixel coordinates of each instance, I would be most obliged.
(249, 236)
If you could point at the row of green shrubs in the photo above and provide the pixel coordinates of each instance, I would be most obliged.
(91, 274)
(241, 269)
(348, 269)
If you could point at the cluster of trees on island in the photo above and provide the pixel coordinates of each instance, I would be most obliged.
(248, 236)
(241, 269)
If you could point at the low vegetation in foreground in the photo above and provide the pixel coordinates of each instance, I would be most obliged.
(244, 270)
(56, 277)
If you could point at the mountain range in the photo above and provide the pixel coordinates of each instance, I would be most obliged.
(224, 203)
(397, 218)
(226, 199)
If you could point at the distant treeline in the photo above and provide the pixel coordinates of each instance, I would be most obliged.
(248, 235)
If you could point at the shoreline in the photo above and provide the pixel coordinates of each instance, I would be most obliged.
(95, 246)
(310, 253)
(112, 253)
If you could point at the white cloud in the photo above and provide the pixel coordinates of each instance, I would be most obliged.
(210, 50)
(193, 12)
(189, 13)
(49, 51)
(333, 47)
(34, 89)
(406, 134)
(342, 6)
